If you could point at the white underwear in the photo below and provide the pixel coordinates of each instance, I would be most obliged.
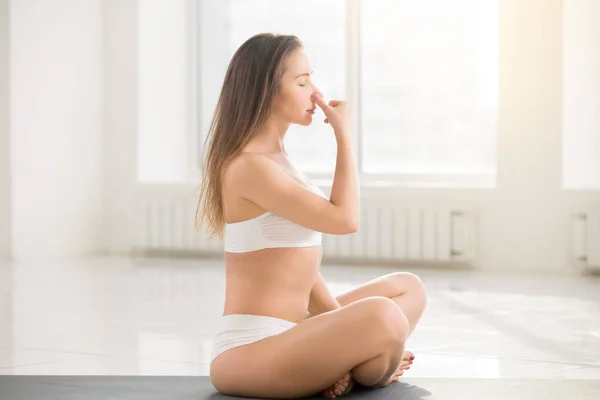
(240, 329)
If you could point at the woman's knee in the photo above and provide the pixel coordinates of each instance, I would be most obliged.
(421, 293)
(389, 318)
(412, 284)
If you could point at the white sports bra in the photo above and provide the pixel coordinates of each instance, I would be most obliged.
(269, 230)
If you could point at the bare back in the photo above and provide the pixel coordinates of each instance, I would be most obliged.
(276, 281)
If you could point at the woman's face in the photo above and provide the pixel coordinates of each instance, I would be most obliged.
(293, 101)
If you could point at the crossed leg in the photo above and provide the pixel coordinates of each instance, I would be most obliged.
(407, 291)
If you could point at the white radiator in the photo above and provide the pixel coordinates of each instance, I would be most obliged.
(586, 239)
(388, 231)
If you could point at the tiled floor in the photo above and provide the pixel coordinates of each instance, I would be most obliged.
(157, 317)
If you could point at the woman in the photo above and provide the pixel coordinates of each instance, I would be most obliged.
(282, 333)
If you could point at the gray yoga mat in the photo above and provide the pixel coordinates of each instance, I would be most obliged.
(53, 387)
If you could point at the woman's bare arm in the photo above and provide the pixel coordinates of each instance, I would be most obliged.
(262, 181)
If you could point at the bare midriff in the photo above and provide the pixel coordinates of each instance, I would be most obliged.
(273, 282)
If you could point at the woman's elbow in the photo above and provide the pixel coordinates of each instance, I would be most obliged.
(351, 226)
(342, 225)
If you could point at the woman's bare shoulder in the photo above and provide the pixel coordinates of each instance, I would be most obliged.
(250, 166)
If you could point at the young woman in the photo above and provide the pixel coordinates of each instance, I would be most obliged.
(282, 334)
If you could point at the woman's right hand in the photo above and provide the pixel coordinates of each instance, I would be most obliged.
(337, 113)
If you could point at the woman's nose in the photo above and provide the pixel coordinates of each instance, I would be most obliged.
(317, 91)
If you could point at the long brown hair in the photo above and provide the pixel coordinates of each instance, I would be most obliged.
(251, 83)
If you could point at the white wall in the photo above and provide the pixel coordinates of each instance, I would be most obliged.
(5, 222)
(524, 222)
(121, 118)
(56, 128)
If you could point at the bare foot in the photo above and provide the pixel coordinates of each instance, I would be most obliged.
(346, 383)
(343, 386)
(405, 364)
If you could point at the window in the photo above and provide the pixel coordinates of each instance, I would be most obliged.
(429, 86)
(425, 75)
(163, 63)
(323, 33)
(581, 95)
